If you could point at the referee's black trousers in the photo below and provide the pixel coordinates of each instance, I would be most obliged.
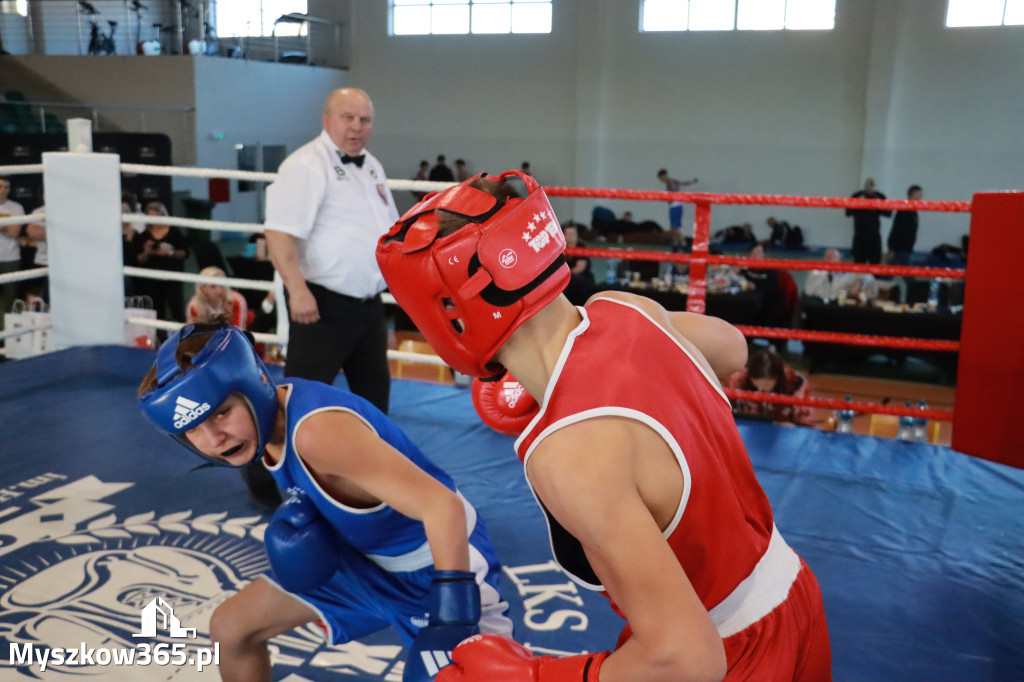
(352, 335)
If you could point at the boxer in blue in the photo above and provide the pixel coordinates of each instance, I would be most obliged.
(373, 533)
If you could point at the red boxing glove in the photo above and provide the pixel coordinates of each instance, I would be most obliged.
(504, 405)
(497, 658)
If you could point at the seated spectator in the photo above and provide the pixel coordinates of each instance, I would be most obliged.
(774, 308)
(10, 249)
(214, 304)
(723, 277)
(265, 319)
(37, 291)
(422, 174)
(784, 235)
(581, 282)
(835, 285)
(767, 372)
(613, 229)
(829, 284)
(161, 247)
(736, 234)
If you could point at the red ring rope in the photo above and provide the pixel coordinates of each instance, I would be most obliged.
(700, 258)
(760, 199)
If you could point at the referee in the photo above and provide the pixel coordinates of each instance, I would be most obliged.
(325, 212)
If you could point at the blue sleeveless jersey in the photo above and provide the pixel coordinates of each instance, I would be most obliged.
(390, 539)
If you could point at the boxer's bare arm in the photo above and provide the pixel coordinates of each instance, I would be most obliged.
(585, 475)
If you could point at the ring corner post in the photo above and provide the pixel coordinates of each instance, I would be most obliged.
(991, 363)
(83, 221)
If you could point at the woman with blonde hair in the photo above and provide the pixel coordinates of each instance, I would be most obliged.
(214, 303)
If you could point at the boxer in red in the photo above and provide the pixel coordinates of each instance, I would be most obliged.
(634, 455)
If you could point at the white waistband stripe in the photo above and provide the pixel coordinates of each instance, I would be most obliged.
(421, 557)
(766, 587)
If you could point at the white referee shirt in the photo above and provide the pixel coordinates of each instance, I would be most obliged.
(336, 212)
(10, 251)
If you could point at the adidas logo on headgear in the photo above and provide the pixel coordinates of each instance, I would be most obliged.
(187, 411)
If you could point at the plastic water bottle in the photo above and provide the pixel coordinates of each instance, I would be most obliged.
(906, 426)
(611, 265)
(933, 295)
(920, 430)
(844, 420)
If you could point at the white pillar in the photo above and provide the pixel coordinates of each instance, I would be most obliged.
(79, 135)
(83, 229)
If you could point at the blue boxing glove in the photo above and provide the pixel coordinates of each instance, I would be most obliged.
(302, 546)
(454, 614)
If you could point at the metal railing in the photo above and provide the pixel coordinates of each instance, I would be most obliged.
(118, 27)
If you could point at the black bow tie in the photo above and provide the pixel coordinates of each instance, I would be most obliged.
(357, 160)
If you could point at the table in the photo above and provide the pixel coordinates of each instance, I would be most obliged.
(820, 316)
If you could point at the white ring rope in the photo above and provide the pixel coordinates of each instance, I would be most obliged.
(141, 169)
(26, 169)
(174, 326)
(22, 275)
(194, 223)
(22, 220)
(150, 273)
(395, 185)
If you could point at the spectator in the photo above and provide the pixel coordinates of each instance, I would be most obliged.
(675, 208)
(736, 234)
(161, 247)
(323, 221)
(867, 227)
(213, 303)
(37, 290)
(525, 168)
(441, 172)
(461, 172)
(10, 249)
(128, 233)
(720, 277)
(422, 174)
(835, 285)
(903, 232)
(581, 280)
(767, 372)
(773, 298)
(780, 230)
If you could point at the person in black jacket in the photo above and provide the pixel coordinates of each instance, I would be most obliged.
(903, 233)
(867, 235)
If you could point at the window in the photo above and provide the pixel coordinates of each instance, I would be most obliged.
(742, 15)
(14, 7)
(243, 18)
(439, 17)
(962, 13)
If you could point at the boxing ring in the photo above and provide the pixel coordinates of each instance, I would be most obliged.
(919, 548)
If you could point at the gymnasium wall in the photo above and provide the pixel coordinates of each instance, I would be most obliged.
(890, 93)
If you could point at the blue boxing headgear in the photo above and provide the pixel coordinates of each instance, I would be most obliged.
(228, 363)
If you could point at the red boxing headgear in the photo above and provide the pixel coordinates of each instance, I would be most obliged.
(468, 291)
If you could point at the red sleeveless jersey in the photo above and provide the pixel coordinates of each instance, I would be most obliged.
(620, 362)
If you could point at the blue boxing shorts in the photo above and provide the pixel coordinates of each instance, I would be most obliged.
(362, 598)
(675, 216)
